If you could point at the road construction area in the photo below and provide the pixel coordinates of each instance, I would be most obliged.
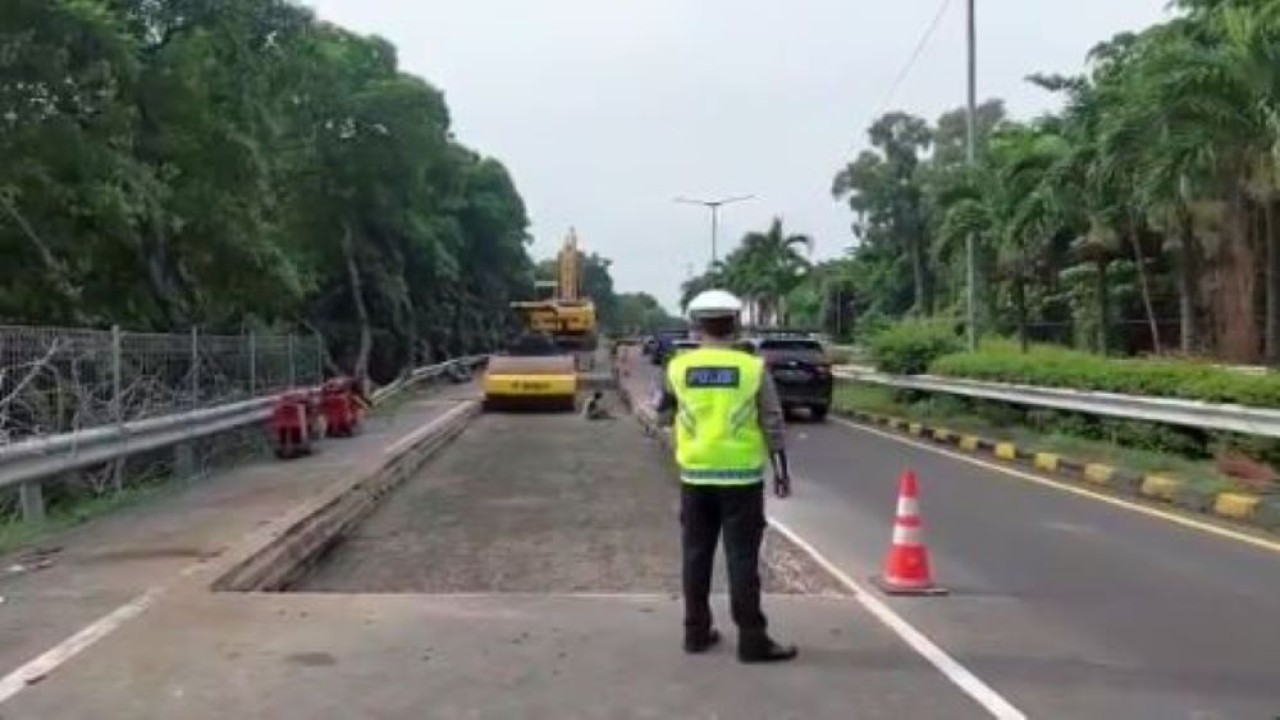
(527, 503)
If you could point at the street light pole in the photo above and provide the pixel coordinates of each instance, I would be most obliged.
(971, 153)
(714, 206)
(715, 233)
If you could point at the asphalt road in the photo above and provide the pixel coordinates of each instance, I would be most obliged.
(1067, 606)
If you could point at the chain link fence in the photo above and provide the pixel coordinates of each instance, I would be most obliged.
(58, 380)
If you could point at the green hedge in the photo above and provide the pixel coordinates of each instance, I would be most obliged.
(1057, 367)
(909, 347)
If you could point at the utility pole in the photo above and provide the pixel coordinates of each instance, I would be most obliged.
(839, 311)
(970, 250)
(714, 206)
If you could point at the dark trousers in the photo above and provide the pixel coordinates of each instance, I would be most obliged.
(704, 512)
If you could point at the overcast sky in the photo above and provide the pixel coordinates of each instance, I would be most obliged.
(605, 110)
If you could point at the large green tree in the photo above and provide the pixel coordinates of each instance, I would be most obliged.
(235, 164)
(641, 313)
(882, 188)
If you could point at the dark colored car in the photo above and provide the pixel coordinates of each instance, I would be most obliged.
(801, 370)
(664, 345)
(682, 345)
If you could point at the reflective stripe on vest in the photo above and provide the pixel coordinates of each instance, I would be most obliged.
(717, 431)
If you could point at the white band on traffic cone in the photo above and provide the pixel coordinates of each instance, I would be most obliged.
(908, 506)
(906, 535)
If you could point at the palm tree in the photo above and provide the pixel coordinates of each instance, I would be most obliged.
(1215, 78)
(1093, 181)
(1026, 158)
(1163, 163)
(1012, 207)
(771, 267)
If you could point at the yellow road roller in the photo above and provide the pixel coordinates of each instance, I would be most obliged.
(532, 375)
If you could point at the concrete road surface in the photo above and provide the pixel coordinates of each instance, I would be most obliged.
(1068, 606)
(523, 657)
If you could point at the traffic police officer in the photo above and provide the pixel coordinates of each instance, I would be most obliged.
(728, 424)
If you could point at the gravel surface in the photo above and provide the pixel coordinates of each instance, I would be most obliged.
(537, 504)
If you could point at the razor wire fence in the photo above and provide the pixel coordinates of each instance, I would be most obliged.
(62, 380)
(59, 380)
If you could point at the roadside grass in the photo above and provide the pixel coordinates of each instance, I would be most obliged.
(16, 533)
(878, 400)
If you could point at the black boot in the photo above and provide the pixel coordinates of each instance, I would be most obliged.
(697, 642)
(759, 648)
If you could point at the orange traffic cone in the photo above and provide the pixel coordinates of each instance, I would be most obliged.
(906, 568)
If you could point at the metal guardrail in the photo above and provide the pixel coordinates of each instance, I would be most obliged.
(1188, 413)
(28, 462)
(427, 372)
(42, 457)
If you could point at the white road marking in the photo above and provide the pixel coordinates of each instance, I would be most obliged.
(958, 674)
(36, 670)
(1064, 486)
(41, 667)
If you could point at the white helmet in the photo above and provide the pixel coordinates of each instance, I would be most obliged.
(714, 303)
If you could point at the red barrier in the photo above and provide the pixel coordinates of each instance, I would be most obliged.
(291, 424)
(341, 404)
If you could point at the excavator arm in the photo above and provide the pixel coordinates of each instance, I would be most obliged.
(570, 273)
(568, 315)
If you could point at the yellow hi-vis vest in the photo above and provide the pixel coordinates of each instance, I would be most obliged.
(718, 435)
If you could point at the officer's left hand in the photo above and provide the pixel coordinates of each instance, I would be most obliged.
(781, 474)
(782, 486)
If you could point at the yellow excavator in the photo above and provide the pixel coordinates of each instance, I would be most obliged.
(539, 370)
(565, 314)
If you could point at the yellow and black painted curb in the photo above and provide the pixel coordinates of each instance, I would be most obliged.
(1247, 508)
